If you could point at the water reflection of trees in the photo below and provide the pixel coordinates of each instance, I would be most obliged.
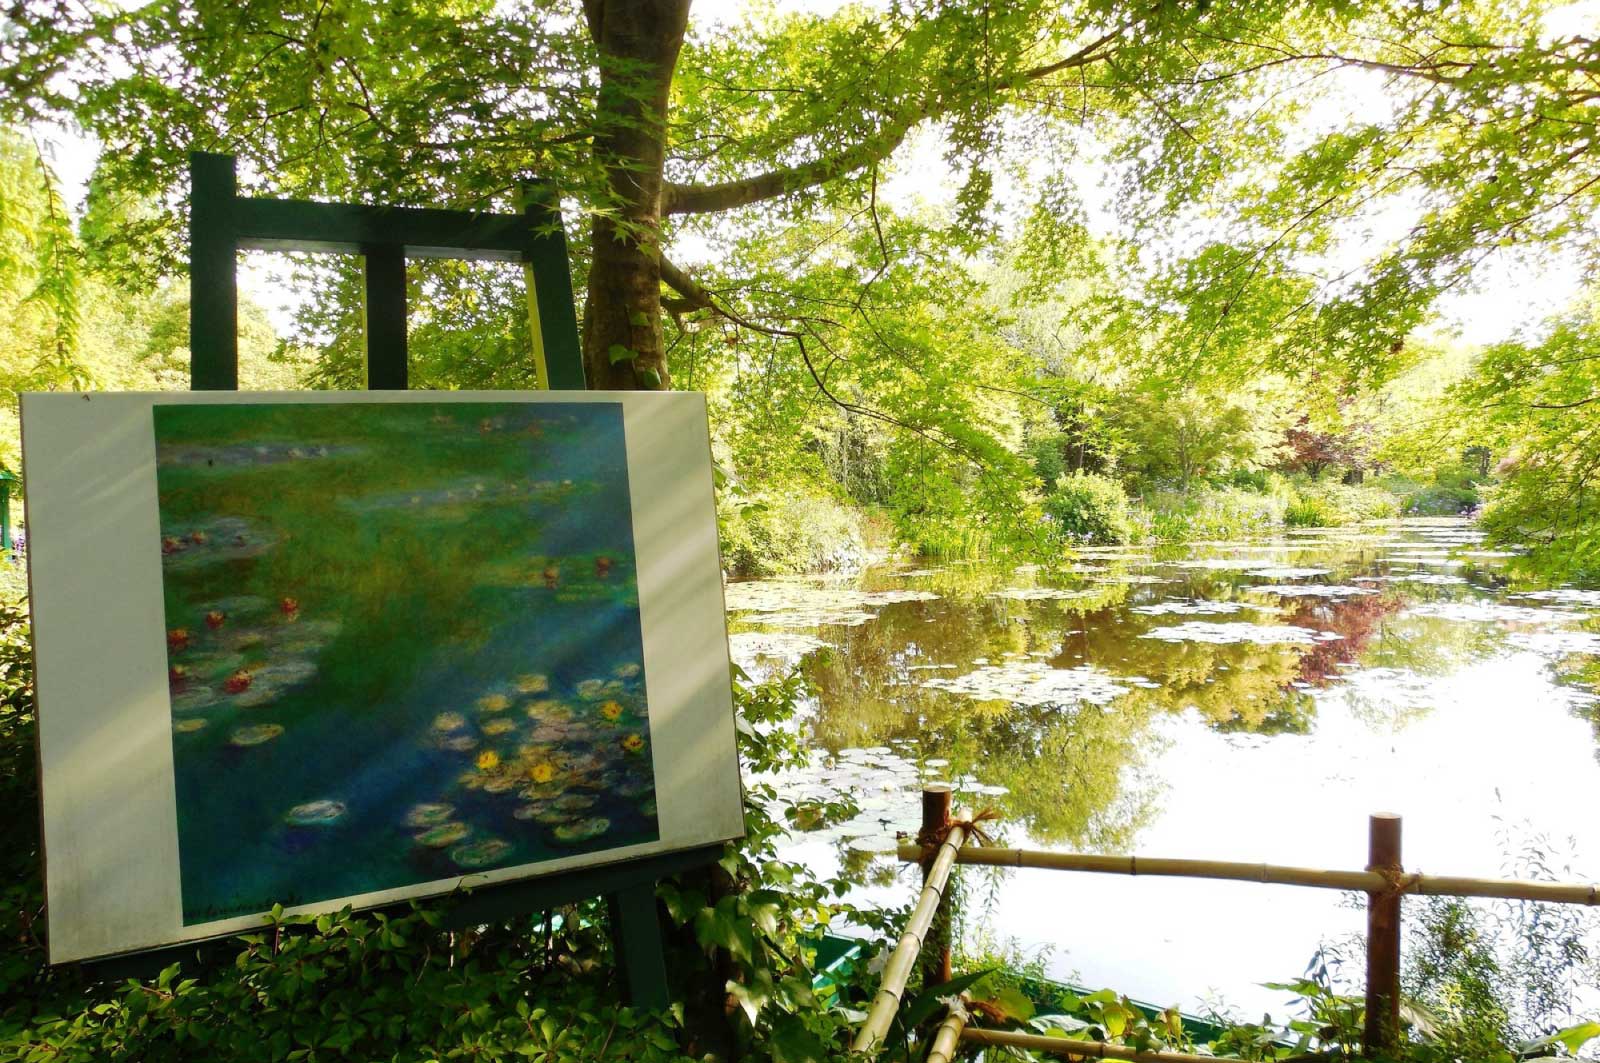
(1072, 771)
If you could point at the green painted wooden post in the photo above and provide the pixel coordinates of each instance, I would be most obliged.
(385, 304)
(221, 223)
(548, 274)
(213, 288)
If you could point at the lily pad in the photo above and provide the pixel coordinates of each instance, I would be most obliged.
(1027, 682)
(1225, 634)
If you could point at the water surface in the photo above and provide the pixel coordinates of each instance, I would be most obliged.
(1239, 701)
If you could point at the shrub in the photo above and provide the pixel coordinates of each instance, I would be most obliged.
(1308, 513)
(1454, 489)
(1327, 504)
(1441, 500)
(1246, 480)
(791, 534)
(1090, 508)
(1212, 513)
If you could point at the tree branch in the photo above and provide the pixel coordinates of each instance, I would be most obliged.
(726, 195)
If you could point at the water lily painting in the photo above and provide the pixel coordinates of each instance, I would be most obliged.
(403, 644)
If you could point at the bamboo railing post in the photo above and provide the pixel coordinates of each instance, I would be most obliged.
(897, 969)
(935, 825)
(1382, 1029)
(947, 1038)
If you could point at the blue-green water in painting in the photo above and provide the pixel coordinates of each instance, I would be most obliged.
(404, 644)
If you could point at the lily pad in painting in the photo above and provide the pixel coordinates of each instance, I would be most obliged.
(256, 735)
(445, 834)
(316, 813)
(430, 814)
(480, 853)
(582, 831)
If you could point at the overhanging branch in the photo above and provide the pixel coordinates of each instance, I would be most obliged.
(727, 195)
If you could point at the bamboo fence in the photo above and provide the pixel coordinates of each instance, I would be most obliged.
(1356, 881)
(898, 969)
(1384, 881)
(1063, 1046)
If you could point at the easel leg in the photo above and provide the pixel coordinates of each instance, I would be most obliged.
(636, 936)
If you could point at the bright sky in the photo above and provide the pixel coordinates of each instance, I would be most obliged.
(1508, 295)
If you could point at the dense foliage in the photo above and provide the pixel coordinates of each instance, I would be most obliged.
(925, 258)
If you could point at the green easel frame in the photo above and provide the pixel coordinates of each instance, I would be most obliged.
(221, 223)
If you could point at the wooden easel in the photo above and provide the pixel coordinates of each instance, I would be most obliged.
(221, 222)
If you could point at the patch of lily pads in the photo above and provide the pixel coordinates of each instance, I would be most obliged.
(1194, 607)
(1563, 596)
(1027, 682)
(1240, 632)
(1040, 594)
(1490, 612)
(213, 542)
(1431, 579)
(746, 647)
(1558, 643)
(793, 603)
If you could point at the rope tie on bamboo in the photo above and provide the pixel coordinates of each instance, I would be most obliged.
(1398, 880)
(931, 841)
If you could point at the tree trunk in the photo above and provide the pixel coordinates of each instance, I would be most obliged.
(638, 42)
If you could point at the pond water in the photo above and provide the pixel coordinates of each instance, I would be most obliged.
(1239, 701)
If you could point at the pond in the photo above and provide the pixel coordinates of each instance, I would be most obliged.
(1245, 701)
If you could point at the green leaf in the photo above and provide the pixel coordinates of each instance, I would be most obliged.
(1573, 1038)
(618, 353)
(650, 378)
(925, 1003)
(1013, 1003)
(750, 998)
(793, 1043)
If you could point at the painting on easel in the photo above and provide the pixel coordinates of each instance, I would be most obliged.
(359, 649)
(403, 642)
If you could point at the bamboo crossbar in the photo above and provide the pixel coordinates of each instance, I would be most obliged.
(1062, 1046)
(904, 956)
(1362, 881)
